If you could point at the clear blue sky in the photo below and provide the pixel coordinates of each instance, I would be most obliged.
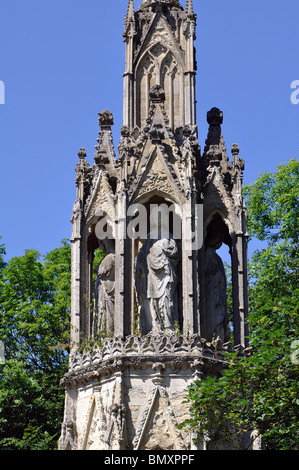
(62, 62)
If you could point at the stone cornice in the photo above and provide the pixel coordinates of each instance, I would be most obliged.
(175, 352)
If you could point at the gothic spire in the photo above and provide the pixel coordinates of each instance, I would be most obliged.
(129, 18)
(130, 12)
(189, 7)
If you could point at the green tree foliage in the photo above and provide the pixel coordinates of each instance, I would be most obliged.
(34, 326)
(261, 391)
(272, 203)
(98, 256)
(2, 253)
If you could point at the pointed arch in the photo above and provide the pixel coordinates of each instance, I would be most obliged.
(146, 77)
(171, 80)
(217, 215)
(160, 45)
(159, 66)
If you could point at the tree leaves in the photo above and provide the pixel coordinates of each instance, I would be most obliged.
(261, 391)
(34, 325)
(273, 204)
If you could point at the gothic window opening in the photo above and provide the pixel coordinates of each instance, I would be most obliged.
(159, 67)
(146, 79)
(100, 278)
(218, 294)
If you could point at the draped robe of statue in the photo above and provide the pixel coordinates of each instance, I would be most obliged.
(215, 295)
(104, 295)
(156, 283)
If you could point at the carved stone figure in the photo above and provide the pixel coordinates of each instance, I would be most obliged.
(104, 295)
(156, 282)
(215, 292)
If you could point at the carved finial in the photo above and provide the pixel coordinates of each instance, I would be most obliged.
(235, 150)
(189, 8)
(124, 131)
(130, 11)
(237, 161)
(82, 153)
(215, 117)
(130, 21)
(105, 119)
(215, 148)
(157, 94)
(82, 173)
(105, 150)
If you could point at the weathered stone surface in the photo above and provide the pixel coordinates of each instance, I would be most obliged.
(104, 295)
(161, 303)
(156, 284)
(128, 393)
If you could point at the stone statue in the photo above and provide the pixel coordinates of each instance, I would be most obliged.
(156, 283)
(215, 292)
(104, 295)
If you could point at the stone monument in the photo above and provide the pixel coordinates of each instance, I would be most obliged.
(152, 317)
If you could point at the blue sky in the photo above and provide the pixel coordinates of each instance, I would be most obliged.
(62, 63)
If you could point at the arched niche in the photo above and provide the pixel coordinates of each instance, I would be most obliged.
(160, 66)
(217, 317)
(99, 276)
(171, 81)
(151, 204)
(146, 78)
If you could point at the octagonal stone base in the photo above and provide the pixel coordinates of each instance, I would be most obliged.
(129, 393)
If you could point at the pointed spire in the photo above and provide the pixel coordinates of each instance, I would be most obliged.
(130, 12)
(130, 17)
(215, 150)
(83, 171)
(189, 8)
(104, 154)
